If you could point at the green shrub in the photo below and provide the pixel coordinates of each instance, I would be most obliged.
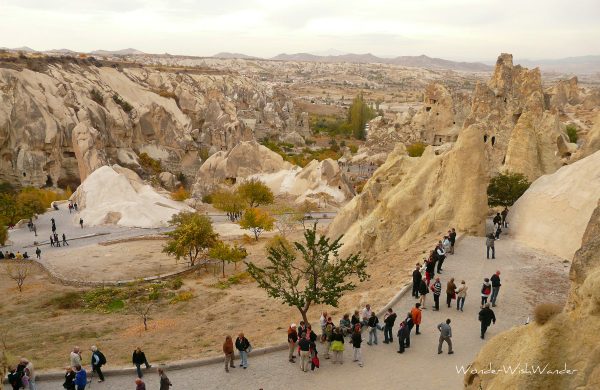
(148, 162)
(182, 297)
(416, 149)
(97, 96)
(353, 148)
(572, 133)
(176, 283)
(124, 105)
(207, 198)
(545, 311)
(115, 305)
(232, 280)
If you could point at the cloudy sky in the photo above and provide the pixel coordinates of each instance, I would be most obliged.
(452, 29)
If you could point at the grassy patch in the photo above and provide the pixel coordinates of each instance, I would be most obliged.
(182, 296)
(232, 280)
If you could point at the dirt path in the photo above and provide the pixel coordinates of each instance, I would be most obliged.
(528, 277)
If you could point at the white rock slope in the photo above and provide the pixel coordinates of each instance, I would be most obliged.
(116, 195)
(554, 212)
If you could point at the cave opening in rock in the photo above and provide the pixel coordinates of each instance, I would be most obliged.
(493, 140)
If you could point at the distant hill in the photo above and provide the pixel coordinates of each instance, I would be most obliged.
(581, 65)
(227, 55)
(24, 49)
(421, 61)
(123, 52)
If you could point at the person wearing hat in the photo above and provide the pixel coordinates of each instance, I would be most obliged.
(292, 340)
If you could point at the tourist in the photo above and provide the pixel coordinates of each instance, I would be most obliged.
(409, 325)
(504, 215)
(452, 236)
(56, 241)
(70, 208)
(337, 346)
(138, 358)
(450, 292)
(38, 253)
(486, 317)
(389, 318)
(416, 316)
(356, 342)
(76, 357)
(446, 243)
(15, 378)
(64, 240)
(243, 345)
(461, 294)
(80, 377)
(329, 328)
(495, 279)
(139, 384)
(165, 383)
(489, 243)
(304, 345)
(436, 288)
(486, 290)
(312, 335)
(25, 255)
(445, 335)
(498, 231)
(1, 255)
(29, 373)
(322, 322)
(301, 329)
(98, 360)
(402, 332)
(35, 230)
(355, 319)
(430, 268)
(314, 358)
(69, 378)
(292, 340)
(19, 256)
(497, 219)
(228, 351)
(81, 222)
(75, 206)
(423, 290)
(51, 241)
(372, 323)
(346, 325)
(366, 315)
(416, 276)
(441, 256)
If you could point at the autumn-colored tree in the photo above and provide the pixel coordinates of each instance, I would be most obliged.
(227, 253)
(230, 202)
(192, 237)
(257, 221)
(256, 193)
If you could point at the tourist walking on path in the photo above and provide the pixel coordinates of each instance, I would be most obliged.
(486, 317)
(408, 321)
(28, 374)
(441, 256)
(292, 340)
(450, 292)
(356, 342)
(489, 243)
(498, 231)
(429, 269)
(355, 319)
(452, 236)
(497, 219)
(504, 215)
(337, 346)
(373, 322)
(51, 241)
(486, 290)
(243, 345)
(139, 384)
(446, 244)
(38, 253)
(436, 288)
(81, 222)
(416, 276)
(75, 357)
(138, 358)
(366, 314)
(389, 318)
(416, 316)
(69, 379)
(165, 383)
(64, 240)
(445, 335)
(304, 345)
(323, 322)
(495, 279)
(228, 351)
(423, 290)
(98, 360)
(80, 377)
(328, 338)
(461, 294)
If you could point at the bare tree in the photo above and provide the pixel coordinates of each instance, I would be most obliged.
(18, 272)
(142, 309)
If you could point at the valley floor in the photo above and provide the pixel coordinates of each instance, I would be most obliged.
(528, 277)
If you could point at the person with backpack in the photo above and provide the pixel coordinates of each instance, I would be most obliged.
(486, 290)
(98, 360)
(436, 288)
(389, 318)
(489, 243)
(486, 317)
(243, 345)
(356, 342)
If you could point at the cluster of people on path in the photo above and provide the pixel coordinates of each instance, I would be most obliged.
(499, 222)
(54, 238)
(22, 376)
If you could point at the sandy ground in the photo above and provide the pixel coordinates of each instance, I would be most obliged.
(528, 277)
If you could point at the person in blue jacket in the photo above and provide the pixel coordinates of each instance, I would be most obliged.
(80, 377)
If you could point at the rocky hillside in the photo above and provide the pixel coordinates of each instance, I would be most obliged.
(568, 341)
(62, 119)
(509, 127)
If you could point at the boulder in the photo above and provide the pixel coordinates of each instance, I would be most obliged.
(168, 180)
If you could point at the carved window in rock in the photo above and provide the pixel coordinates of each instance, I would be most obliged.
(427, 109)
(493, 140)
(485, 137)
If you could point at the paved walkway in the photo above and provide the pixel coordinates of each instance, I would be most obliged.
(420, 367)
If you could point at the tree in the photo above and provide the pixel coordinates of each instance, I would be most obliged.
(18, 272)
(142, 308)
(256, 193)
(286, 218)
(506, 188)
(227, 253)
(230, 202)
(192, 238)
(30, 203)
(3, 234)
(359, 114)
(310, 273)
(257, 221)
(9, 212)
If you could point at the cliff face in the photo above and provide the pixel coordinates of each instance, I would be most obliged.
(507, 128)
(569, 340)
(59, 124)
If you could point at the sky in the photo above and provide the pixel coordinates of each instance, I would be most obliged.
(452, 29)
